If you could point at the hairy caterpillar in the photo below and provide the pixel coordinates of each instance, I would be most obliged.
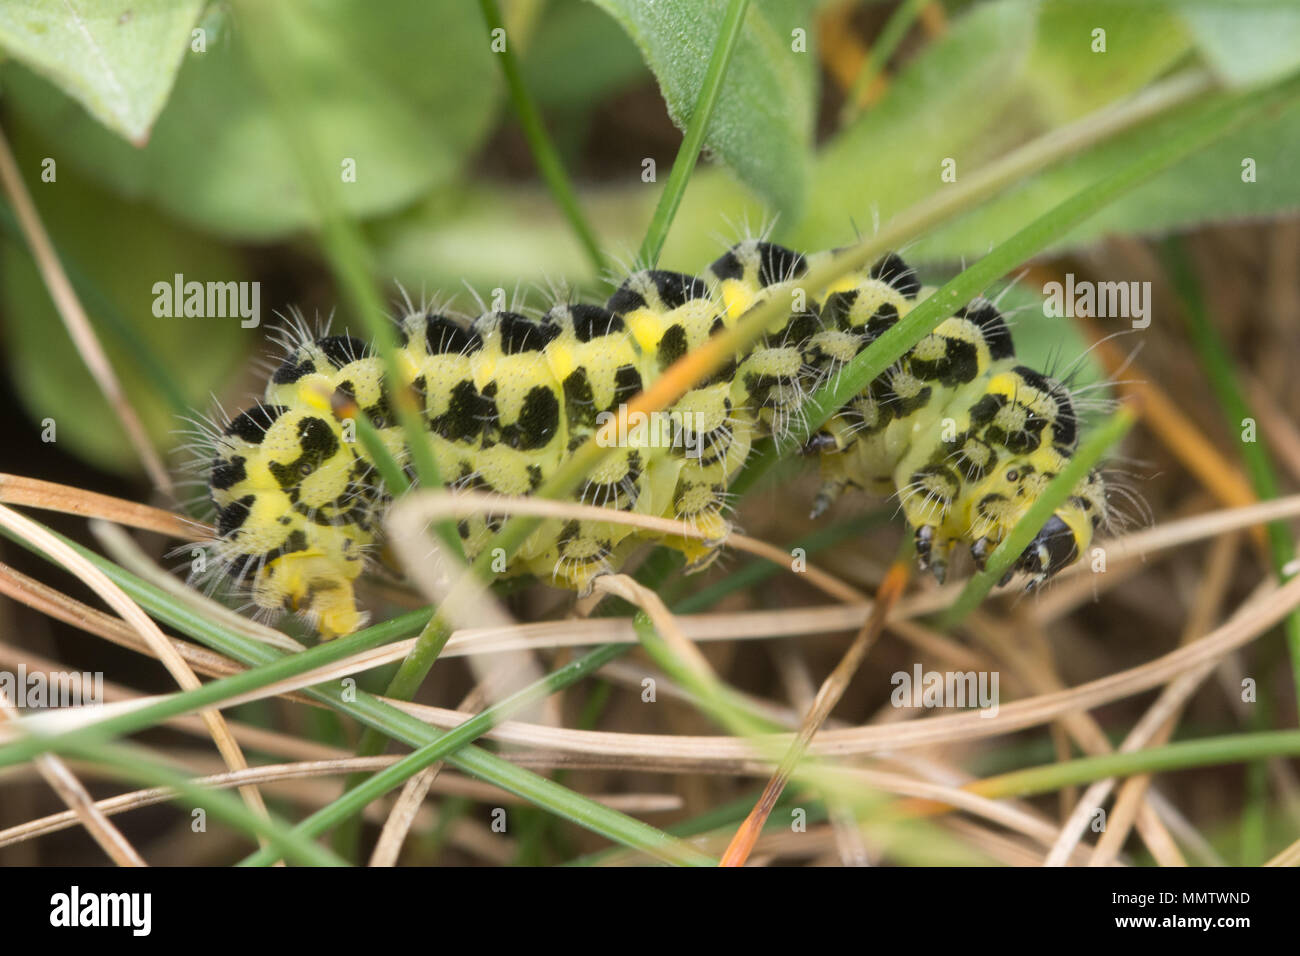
(964, 436)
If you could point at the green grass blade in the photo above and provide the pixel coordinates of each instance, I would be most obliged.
(1184, 755)
(380, 783)
(1219, 369)
(344, 247)
(1203, 129)
(132, 764)
(273, 664)
(693, 140)
(1214, 354)
(544, 152)
(353, 802)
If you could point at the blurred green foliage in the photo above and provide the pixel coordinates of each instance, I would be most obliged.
(411, 92)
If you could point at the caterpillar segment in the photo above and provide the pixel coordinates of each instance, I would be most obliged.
(297, 498)
(599, 369)
(964, 436)
(855, 446)
(706, 432)
(293, 513)
(773, 380)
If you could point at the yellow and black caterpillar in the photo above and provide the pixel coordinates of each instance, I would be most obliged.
(964, 436)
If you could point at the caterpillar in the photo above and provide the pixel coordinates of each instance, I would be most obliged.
(964, 436)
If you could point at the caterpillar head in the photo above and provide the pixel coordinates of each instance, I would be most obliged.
(280, 477)
(1020, 434)
(1029, 424)
(1004, 498)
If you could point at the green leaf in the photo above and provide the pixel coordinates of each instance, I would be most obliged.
(1006, 73)
(1207, 187)
(408, 96)
(578, 57)
(1246, 47)
(948, 103)
(1070, 73)
(490, 235)
(1013, 70)
(763, 124)
(49, 375)
(117, 58)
